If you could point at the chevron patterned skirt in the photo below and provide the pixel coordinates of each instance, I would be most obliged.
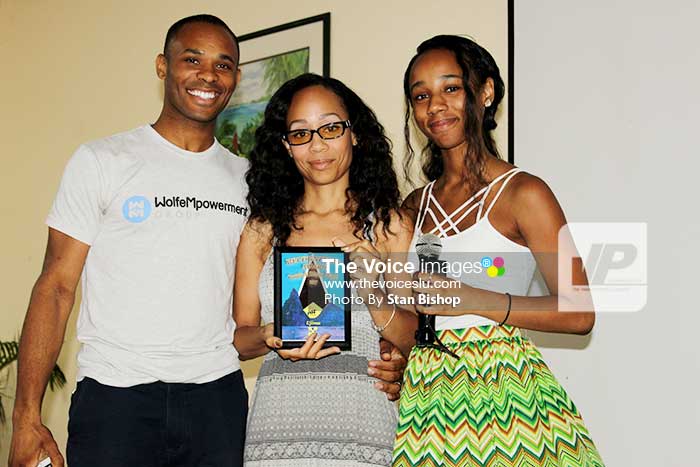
(497, 406)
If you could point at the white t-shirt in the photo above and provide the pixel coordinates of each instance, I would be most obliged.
(163, 226)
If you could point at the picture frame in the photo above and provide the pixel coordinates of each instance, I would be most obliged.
(312, 295)
(268, 59)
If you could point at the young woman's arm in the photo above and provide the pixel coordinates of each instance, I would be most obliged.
(539, 218)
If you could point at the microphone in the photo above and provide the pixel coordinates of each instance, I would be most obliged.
(428, 249)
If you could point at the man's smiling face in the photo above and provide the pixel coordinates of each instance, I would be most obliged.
(200, 70)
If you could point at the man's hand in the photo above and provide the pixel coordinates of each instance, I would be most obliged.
(32, 442)
(389, 370)
(44, 328)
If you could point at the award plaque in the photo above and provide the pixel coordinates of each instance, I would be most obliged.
(311, 295)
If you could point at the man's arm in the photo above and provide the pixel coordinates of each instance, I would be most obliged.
(388, 369)
(44, 328)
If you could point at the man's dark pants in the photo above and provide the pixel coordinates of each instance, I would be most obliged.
(158, 424)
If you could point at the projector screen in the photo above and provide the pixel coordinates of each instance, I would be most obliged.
(604, 99)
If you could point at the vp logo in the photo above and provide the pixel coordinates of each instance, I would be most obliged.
(613, 256)
(136, 209)
(604, 258)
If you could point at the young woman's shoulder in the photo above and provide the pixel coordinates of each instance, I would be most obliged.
(536, 211)
(528, 192)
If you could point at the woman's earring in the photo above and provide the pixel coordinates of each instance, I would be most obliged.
(487, 103)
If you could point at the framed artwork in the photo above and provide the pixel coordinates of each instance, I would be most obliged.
(311, 295)
(268, 59)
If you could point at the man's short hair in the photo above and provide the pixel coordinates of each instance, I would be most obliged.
(209, 19)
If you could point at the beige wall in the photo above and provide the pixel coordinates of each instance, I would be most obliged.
(77, 70)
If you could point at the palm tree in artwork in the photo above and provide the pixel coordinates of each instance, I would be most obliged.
(282, 68)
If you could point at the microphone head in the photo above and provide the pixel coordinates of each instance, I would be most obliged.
(428, 246)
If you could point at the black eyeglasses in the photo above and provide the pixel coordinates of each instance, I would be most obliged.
(331, 130)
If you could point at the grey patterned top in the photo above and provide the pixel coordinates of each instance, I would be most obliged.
(319, 413)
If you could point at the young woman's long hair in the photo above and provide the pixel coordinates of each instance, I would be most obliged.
(276, 187)
(477, 66)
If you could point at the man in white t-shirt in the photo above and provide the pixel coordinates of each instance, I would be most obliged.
(149, 220)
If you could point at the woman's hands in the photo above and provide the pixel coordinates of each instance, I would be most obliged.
(311, 350)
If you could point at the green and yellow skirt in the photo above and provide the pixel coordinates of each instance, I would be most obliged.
(498, 405)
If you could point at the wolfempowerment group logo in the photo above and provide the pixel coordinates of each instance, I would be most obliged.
(137, 209)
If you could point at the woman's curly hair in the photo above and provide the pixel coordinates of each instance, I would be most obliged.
(477, 66)
(276, 188)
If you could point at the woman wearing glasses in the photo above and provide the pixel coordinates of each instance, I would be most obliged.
(321, 175)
